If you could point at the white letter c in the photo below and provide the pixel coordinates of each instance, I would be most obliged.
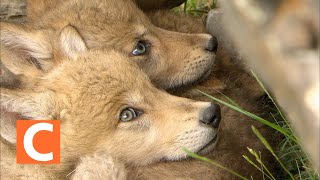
(28, 141)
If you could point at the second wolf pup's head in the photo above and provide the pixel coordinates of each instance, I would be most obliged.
(106, 104)
(170, 59)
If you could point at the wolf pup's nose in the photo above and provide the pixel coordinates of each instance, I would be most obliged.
(212, 44)
(212, 116)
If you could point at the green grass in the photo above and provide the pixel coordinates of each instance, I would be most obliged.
(196, 7)
(191, 154)
(289, 154)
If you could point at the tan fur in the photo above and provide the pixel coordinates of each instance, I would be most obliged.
(37, 8)
(172, 60)
(87, 92)
(100, 166)
(25, 54)
(236, 136)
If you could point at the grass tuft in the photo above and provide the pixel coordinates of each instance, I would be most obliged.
(253, 116)
(197, 7)
(196, 156)
(267, 145)
(262, 167)
(290, 156)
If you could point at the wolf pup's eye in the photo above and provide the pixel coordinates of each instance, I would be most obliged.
(140, 48)
(129, 114)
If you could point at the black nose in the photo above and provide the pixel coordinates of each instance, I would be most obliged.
(212, 44)
(212, 116)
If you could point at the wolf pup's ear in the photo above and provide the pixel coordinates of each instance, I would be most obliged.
(16, 104)
(71, 42)
(24, 47)
(30, 105)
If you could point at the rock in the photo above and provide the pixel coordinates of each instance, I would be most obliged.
(13, 10)
(158, 4)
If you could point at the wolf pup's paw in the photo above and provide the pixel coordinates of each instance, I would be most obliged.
(99, 166)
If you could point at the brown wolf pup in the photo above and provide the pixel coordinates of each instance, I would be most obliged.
(170, 59)
(235, 136)
(106, 105)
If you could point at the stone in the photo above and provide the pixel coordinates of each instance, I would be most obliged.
(158, 4)
(13, 10)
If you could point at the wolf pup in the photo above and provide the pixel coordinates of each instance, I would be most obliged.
(170, 59)
(106, 105)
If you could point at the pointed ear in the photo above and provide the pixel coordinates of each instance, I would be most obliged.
(8, 125)
(8, 79)
(29, 105)
(71, 42)
(15, 105)
(26, 47)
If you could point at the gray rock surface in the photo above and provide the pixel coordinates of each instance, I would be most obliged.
(12, 10)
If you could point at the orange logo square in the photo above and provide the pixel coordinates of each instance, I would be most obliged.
(38, 142)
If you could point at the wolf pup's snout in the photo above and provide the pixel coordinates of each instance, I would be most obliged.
(211, 116)
(212, 44)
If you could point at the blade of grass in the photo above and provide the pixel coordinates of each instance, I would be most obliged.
(283, 145)
(198, 11)
(256, 166)
(281, 114)
(266, 91)
(258, 159)
(196, 156)
(272, 125)
(298, 170)
(267, 145)
(230, 100)
(263, 173)
(290, 152)
(273, 101)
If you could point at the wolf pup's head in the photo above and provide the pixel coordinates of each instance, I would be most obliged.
(170, 59)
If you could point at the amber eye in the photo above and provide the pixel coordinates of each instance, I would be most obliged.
(129, 114)
(140, 48)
